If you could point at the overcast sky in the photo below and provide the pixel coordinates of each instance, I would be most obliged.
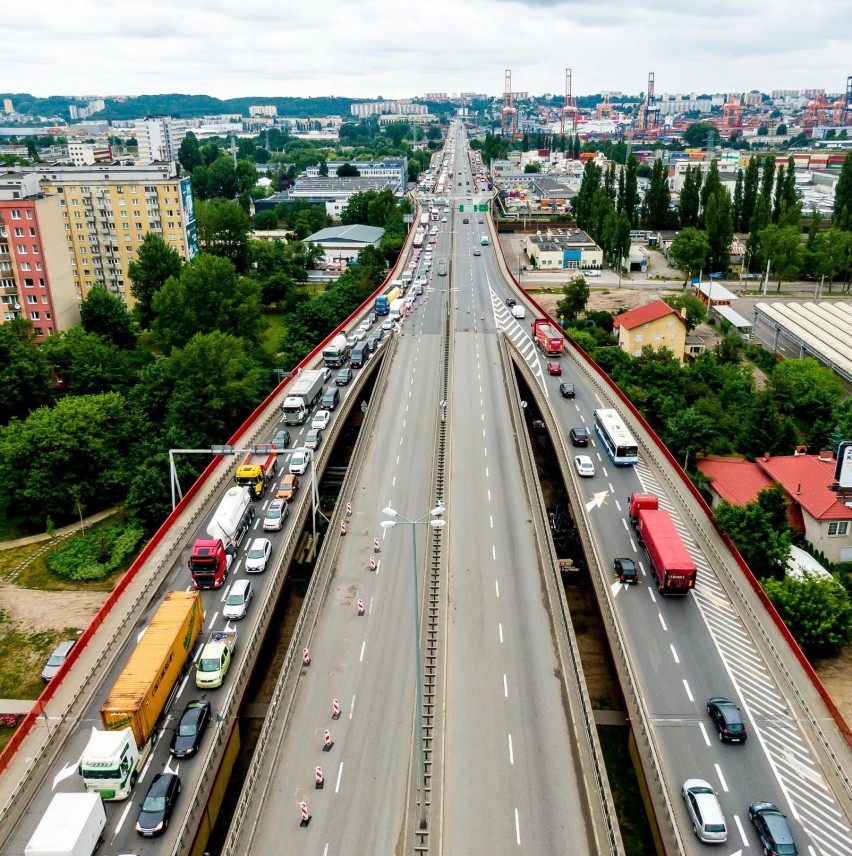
(396, 48)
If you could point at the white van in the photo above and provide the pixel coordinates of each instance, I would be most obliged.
(518, 311)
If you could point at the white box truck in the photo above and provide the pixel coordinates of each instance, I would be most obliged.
(71, 826)
(303, 394)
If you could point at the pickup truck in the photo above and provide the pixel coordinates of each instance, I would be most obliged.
(215, 659)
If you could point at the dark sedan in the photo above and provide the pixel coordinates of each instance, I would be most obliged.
(728, 720)
(188, 733)
(579, 437)
(567, 390)
(158, 806)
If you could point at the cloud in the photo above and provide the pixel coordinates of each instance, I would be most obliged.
(399, 49)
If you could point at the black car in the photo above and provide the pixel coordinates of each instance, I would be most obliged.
(510, 302)
(158, 805)
(281, 440)
(188, 733)
(625, 570)
(579, 436)
(772, 830)
(343, 376)
(567, 390)
(330, 398)
(378, 335)
(728, 720)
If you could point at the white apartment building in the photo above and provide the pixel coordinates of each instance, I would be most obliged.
(159, 139)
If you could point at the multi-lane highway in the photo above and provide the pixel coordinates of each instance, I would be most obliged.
(504, 774)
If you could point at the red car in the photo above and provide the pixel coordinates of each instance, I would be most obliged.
(554, 368)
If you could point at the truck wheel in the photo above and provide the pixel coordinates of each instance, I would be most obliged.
(133, 778)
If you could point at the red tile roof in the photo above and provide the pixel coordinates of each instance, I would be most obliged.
(806, 478)
(735, 479)
(643, 314)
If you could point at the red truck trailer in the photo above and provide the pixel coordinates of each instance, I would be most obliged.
(671, 565)
(547, 337)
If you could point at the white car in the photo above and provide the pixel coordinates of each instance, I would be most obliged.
(584, 465)
(352, 341)
(321, 419)
(365, 325)
(238, 600)
(313, 438)
(258, 555)
(300, 461)
(443, 219)
(387, 325)
(705, 813)
(592, 272)
(360, 335)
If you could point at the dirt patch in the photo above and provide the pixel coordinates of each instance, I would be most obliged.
(42, 611)
(836, 676)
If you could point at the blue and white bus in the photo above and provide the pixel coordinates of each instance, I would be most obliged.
(617, 440)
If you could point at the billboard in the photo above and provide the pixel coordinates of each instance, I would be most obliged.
(189, 217)
(843, 468)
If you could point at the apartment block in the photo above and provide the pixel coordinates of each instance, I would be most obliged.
(159, 139)
(36, 278)
(108, 210)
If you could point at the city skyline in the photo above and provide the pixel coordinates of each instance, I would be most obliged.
(382, 48)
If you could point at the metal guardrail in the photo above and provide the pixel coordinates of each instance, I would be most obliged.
(597, 787)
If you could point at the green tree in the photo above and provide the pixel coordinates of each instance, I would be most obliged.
(658, 198)
(348, 170)
(842, 216)
(155, 262)
(89, 364)
(223, 230)
(219, 370)
(78, 451)
(694, 309)
(781, 130)
(804, 386)
(689, 251)
(738, 202)
(719, 222)
(532, 168)
(751, 183)
(106, 315)
(690, 198)
(631, 191)
(323, 168)
(763, 430)
(763, 546)
(24, 371)
(189, 153)
(584, 201)
(816, 611)
(207, 296)
(688, 432)
(265, 220)
(711, 186)
(782, 246)
(695, 136)
(575, 297)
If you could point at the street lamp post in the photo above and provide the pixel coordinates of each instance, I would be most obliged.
(431, 519)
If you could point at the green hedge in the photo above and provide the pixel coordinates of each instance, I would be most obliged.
(97, 555)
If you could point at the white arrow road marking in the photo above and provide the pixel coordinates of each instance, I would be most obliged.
(597, 500)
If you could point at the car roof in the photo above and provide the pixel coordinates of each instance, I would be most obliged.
(261, 542)
(240, 585)
(65, 646)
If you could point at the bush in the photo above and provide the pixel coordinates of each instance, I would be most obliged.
(97, 555)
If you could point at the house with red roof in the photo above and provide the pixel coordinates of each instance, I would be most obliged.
(814, 509)
(655, 324)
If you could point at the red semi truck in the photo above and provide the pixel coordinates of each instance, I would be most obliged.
(671, 564)
(547, 337)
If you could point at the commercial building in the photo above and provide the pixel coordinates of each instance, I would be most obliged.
(395, 169)
(36, 279)
(655, 324)
(108, 210)
(564, 249)
(341, 244)
(334, 193)
(813, 508)
(88, 154)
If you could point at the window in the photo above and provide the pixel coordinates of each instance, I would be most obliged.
(32, 231)
(47, 316)
(16, 214)
(25, 265)
(19, 232)
(639, 338)
(838, 527)
(32, 299)
(38, 267)
(34, 316)
(35, 249)
(28, 283)
(22, 249)
(44, 299)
